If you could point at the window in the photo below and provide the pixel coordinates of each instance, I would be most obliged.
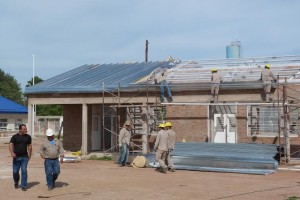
(265, 121)
(3, 124)
(17, 123)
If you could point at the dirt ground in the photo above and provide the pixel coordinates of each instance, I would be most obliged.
(90, 179)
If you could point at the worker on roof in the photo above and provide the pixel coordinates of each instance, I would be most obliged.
(215, 84)
(171, 145)
(267, 77)
(160, 79)
(161, 148)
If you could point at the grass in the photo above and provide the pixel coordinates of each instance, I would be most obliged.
(293, 198)
(94, 157)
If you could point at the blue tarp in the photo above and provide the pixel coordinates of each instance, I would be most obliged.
(9, 107)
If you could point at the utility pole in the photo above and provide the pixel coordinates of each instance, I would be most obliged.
(286, 128)
(33, 105)
(146, 51)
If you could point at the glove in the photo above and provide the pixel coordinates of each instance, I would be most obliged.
(120, 145)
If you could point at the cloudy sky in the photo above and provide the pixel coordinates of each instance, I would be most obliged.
(64, 34)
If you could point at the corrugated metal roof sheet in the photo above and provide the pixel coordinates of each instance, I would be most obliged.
(243, 73)
(90, 78)
(248, 158)
(8, 106)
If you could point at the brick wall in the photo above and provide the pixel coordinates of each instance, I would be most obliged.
(72, 127)
(189, 122)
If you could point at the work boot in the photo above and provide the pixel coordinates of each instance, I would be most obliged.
(170, 99)
(172, 170)
(163, 170)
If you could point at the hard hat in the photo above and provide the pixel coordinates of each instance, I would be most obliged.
(127, 123)
(168, 124)
(161, 126)
(267, 65)
(214, 70)
(49, 132)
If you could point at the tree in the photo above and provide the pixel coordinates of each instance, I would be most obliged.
(36, 81)
(10, 88)
(45, 110)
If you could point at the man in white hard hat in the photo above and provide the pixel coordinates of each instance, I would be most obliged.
(124, 142)
(171, 145)
(267, 77)
(52, 151)
(161, 148)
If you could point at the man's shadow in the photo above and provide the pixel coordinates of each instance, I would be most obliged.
(32, 184)
(61, 184)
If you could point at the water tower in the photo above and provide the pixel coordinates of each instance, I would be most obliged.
(234, 50)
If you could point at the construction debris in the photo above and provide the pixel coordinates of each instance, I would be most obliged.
(72, 157)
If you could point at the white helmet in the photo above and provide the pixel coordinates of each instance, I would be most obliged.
(49, 132)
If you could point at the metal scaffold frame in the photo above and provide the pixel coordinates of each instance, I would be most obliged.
(115, 107)
(282, 103)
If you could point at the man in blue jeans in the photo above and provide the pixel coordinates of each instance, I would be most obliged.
(20, 149)
(52, 151)
(160, 79)
(124, 142)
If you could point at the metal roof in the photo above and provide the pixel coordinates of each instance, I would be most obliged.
(241, 73)
(91, 78)
(9, 107)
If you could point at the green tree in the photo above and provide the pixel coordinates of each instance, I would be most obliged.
(45, 110)
(36, 81)
(10, 88)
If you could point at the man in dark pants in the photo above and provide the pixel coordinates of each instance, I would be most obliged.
(52, 151)
(20, 149)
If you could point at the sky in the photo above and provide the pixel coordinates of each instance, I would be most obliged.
(65, 34)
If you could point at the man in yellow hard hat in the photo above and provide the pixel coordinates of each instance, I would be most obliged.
(215, 84)
(161, 148)
(171, 145)
(267, 77)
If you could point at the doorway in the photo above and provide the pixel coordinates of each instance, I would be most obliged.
(223, 124)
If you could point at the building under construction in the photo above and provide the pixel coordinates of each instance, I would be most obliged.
(98, 99)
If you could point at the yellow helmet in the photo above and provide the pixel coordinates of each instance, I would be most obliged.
(161, 126)
(214, 70)
(268, 65)
(168, 124)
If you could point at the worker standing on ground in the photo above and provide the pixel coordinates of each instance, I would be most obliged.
(53, 152)
(124, 142)
(267, 77)
(215, 84)
(161, 148)
(20, 150)
(160, 79)
(171, 145)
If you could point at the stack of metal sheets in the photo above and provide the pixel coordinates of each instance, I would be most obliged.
(240, 158)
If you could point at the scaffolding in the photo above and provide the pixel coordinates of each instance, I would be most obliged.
(283, 113)
(144, 118)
